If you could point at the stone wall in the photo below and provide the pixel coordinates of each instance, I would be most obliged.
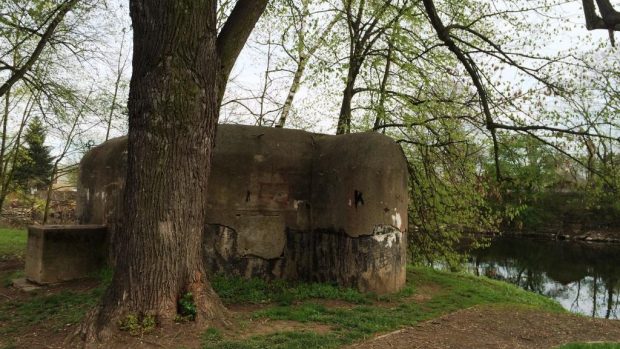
(285, 204)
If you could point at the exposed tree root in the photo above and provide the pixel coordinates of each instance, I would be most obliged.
(103, 324)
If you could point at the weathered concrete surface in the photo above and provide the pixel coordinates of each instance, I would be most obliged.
(101, 184)
(369, 263)
(267, 183)
(60, 253)
(359, 181)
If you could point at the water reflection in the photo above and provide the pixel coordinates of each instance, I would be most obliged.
(583, 277)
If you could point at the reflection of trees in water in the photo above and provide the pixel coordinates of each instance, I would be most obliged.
(612, 306)
(603, 289)
(509, 271)
(595, 292)
(575, 305)
(561, 270)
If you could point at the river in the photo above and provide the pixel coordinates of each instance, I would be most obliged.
(583, 277)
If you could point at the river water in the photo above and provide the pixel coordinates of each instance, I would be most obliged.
(583, 277)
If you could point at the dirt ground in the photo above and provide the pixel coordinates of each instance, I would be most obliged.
(498, 328)
(479, 327)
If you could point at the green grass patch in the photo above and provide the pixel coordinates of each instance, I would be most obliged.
(55, 311)
(365, 317)
(51, 311)
(235, 290)
(12, 243)
(591, 346)
(281, 340)
(464, 290)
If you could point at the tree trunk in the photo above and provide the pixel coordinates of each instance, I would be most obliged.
(5, 121)
(173, 113)
(288, 104)
(344, 119)
(50, 191)
(381, 114)
(8, 164)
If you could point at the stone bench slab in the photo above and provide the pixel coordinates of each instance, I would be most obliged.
(57, 253)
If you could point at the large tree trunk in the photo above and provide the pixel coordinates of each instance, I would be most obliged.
(173, 112)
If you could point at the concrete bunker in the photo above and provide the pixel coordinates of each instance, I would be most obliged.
(285, 204)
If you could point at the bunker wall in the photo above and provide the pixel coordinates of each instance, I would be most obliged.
(285, 204)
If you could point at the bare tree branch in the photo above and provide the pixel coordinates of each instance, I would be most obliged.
(234, 35)
(51, 28)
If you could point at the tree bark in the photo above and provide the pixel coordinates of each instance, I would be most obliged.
(179, 70)
(233, 36)
(173, 112)
(381, 114)
(344, 119)
(288, 104)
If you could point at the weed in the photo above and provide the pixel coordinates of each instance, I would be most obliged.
(212, 335)
(186, 308)
(137, 325)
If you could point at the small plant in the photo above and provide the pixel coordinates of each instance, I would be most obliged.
(212, 335)
(105, 275)
(137, 325)
(186, 308)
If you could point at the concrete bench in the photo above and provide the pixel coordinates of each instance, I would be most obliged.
(57, 253)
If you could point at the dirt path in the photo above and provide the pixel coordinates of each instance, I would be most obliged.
(495, 328)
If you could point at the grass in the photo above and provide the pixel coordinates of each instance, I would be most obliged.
(366, 316)
(55, 311)
(281, 340)
(591, 346)
(361, 316)
(235, 290)
(52, 312)
(12, 243)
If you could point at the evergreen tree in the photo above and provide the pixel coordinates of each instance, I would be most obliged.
(34, 167)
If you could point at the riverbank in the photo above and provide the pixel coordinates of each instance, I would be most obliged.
(600, 236)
